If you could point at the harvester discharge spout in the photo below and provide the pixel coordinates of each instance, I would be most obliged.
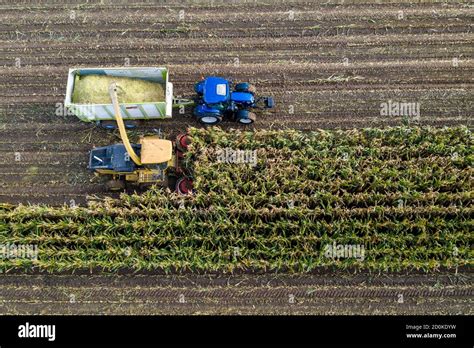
(121, 126)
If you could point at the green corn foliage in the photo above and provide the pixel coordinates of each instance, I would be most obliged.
(404, 193)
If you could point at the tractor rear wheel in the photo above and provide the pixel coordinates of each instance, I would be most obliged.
(210, 119)
(115, 185)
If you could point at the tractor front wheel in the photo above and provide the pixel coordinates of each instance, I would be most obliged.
(245, 87)
(115, 185)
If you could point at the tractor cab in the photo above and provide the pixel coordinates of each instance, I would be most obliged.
(215, 90)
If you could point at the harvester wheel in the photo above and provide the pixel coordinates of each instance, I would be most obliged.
(115, 185)
(184, 186)
(182, 142)
(171, 181)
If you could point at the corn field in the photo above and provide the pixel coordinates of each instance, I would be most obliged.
(404, 194)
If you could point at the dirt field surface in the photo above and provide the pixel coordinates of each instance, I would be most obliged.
(326, 64)
(337, 293)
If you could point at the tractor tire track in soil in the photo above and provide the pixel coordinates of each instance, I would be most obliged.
(246, 294)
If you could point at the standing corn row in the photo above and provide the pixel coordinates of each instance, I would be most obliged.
(277, 200)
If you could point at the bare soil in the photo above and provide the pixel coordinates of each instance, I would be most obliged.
(336, 293)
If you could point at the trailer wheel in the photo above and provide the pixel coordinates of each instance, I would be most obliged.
(112, 125)
(245, 117)
(115, 185)
(184, 186)
(130, 124)
(109, 125)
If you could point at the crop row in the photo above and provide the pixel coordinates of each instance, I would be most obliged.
(400, 197)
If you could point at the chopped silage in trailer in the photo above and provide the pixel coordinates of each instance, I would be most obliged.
(94, 89)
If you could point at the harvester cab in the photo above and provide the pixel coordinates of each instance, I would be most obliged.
(216, 100)
(152, 161)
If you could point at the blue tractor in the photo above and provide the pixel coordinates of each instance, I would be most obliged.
(215, 100)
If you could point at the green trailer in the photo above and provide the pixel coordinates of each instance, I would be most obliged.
(155, 107)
